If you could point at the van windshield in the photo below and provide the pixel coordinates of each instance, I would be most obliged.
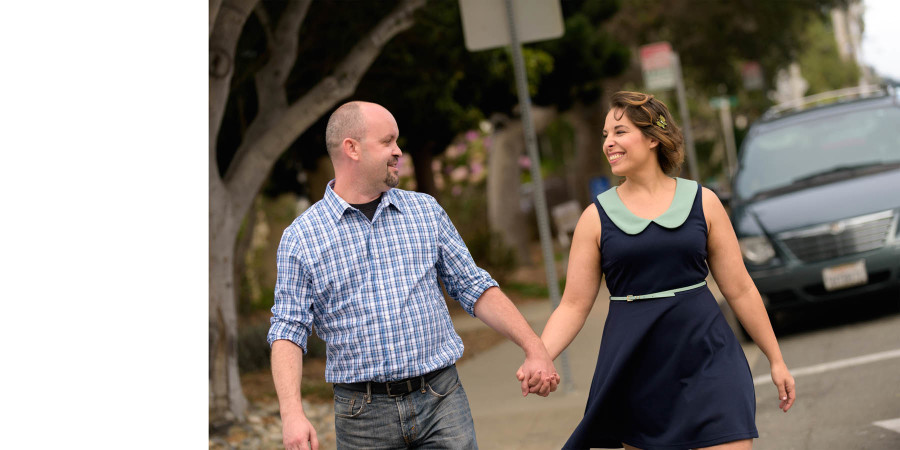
(799, 152)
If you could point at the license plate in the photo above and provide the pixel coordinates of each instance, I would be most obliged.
(845, 275)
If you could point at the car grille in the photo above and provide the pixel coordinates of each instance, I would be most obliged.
(845, 237)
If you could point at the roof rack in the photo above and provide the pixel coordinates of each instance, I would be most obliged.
(856, 92)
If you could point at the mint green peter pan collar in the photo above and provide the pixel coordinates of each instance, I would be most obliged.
(674, 217)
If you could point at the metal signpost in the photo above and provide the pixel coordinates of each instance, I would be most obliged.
(495, 23)
(724, 104)
(662, 70)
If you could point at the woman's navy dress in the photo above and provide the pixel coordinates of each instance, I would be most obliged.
(670, 373)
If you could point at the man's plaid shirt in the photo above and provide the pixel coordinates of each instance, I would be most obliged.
(371, 289)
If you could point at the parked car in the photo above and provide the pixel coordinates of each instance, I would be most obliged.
(816, 199)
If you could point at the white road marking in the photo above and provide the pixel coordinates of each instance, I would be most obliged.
(893, 424)
(834, 365)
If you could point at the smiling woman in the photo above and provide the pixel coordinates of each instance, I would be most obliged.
(639, 118)
(670, 372)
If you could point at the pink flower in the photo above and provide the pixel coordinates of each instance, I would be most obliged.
(460, 173)
(471, 135)
(525, 162)
(476, 168)
(457, 190)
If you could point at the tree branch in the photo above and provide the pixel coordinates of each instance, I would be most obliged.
(214, 6)
(245, 175)
(229, 22)
(282, 45)
(263, 16)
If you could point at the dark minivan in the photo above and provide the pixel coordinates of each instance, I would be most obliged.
(816, 199)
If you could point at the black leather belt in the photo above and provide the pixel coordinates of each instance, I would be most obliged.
(394, 388)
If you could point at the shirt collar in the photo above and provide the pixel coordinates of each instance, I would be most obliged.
(337, 206)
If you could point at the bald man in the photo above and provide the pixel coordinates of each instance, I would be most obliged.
(362, 265)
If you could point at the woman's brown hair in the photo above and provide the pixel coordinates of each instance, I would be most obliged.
(653, 118)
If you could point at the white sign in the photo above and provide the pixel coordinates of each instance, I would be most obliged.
(486, 26)
(845, 275)
(752, 74)
(658, 65)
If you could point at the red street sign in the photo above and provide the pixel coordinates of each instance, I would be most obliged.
(752, 74)
(658, 66)
(656, 56)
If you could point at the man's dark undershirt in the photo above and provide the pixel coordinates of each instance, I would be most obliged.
(368, 208)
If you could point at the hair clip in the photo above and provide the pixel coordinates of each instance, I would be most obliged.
(661, 122)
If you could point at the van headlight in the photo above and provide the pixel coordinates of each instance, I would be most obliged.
(757, 249)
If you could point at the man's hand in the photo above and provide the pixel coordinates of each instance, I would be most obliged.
(538, 377)
(298, 433)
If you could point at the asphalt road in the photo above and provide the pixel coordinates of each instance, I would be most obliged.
(846, 362)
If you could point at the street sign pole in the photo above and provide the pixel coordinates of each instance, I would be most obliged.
(686, 120)
(540, 201)
(724, 105)
(661, 67)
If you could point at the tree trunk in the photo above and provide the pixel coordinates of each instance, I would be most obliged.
(276, 126)
(505, 217)
(227, 402)
(422, 168)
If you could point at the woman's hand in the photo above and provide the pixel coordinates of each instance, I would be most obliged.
(538, 383)
(785, 384)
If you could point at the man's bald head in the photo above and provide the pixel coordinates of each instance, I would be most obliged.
(345, 122)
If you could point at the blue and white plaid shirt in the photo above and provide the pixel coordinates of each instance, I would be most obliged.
(371, 289)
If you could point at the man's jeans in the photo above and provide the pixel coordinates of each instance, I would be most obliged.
(434, 417)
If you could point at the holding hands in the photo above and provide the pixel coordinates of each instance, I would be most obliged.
(537, 377)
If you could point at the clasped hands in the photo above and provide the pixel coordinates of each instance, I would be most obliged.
(537, 378)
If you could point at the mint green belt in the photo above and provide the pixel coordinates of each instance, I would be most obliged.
(669, 293)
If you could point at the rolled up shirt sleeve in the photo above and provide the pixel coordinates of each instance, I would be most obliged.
(292, 317)
(463, 280)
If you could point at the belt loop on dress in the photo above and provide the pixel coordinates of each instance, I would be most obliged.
(369, 392)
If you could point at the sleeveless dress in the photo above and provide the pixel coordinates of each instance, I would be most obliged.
(670, 373)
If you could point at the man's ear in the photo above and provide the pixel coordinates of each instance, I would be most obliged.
(351, 148)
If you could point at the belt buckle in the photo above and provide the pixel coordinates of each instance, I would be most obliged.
(629, 298)
(408, 388)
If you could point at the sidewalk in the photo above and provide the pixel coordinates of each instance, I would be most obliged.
(506, 420)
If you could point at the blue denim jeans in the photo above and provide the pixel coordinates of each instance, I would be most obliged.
(434, 417)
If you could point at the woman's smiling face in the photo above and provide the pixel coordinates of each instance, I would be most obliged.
(624, 145)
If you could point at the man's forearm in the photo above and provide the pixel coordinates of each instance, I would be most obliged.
(499, 313)
(287, 371)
